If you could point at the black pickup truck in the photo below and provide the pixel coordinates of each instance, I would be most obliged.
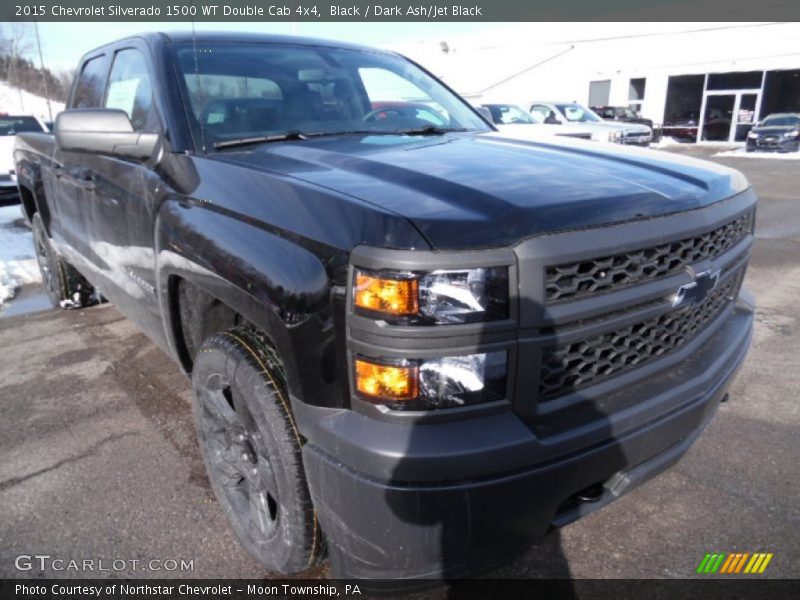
(414, 345)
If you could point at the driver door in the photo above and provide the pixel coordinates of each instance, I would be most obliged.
(67, 177)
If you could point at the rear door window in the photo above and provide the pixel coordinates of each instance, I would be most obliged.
(129, 88)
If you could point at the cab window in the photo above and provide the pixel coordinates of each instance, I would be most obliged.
(129, 88)
(89, 90)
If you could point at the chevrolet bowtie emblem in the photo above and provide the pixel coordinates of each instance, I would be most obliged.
(695, 292)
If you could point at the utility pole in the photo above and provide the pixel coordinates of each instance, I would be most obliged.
(41, 65)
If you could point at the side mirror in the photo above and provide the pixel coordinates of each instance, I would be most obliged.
(485, 113)
(103, 131)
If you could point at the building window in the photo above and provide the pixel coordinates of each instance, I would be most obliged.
(599, 92)
(749, 80)
(781, 92)
(636, 93)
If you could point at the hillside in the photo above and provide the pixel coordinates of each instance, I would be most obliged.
(19, 102)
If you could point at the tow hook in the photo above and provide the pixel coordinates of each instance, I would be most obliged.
(593, 493)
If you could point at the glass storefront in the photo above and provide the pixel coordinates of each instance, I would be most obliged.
(723, 107)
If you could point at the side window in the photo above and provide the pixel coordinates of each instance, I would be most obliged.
(544, 112)
(89, 91)
(129, 88)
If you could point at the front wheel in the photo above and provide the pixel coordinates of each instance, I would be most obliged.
(65, 287)
(252, 450)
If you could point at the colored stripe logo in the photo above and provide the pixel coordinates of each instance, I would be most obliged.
(734, 562)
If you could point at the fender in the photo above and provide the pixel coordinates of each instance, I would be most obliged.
(29, 161)
(272, 281)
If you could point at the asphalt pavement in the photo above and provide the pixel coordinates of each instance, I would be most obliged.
(98, 457)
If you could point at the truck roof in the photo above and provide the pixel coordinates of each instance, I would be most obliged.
(177, 37)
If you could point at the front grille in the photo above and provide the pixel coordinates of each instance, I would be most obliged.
(568, 367)
(599, 275)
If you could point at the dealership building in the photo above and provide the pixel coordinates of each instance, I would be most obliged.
(714, 79)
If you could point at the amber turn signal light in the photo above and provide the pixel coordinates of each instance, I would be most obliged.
(387, 382)
(397, 297)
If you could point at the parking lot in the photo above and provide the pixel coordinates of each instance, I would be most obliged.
(98, 457)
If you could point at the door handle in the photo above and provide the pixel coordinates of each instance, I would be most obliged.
(85, 180)
(86, 184)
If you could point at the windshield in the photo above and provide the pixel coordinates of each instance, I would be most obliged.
(15, 125)
(508, 114)
(782, 121)
(575, 113)
(237, 91)
(626, 113)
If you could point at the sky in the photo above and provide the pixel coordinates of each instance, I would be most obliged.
(64, 43)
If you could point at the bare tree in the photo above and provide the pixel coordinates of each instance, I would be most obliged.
(65, 78)
(15, 43)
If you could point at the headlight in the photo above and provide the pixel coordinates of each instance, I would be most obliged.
(432, 383)
(752, 135)
(432, 298)
(615, 136)
(795, 133)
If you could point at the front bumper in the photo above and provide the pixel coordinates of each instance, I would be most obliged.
(642, 140)
(9, 193)
(773, 144)
(446, 499)
(680, 133)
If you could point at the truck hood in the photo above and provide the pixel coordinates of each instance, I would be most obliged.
(470, 191)
(605, 126)
(535, 131)
(774, 129)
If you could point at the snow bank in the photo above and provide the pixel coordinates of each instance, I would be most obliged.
(19, 102)
(17, 259)
(666, 142)
(741, 153)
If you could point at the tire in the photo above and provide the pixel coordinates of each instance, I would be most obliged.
(252, 450)
(65, 287)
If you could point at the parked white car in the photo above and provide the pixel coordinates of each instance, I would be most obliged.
(10, 126)
(572, 114)
(515, 121)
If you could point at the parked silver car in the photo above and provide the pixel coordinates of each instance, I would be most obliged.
(572, 113)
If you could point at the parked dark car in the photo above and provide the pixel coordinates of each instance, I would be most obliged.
(414, 348)
(686, 127)
(621, 113)
(683, 128)
(10, 126)
(779, 132)
(413, 113)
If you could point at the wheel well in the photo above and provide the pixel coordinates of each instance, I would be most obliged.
(196, 315)
(28, 201)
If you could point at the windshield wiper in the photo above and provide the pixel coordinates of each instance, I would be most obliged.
(262, 139)
(291, 136)
(429, 130)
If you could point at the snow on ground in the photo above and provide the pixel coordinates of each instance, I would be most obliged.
(17, 259)
(741, 153)
(19, 102)
(666, 142)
